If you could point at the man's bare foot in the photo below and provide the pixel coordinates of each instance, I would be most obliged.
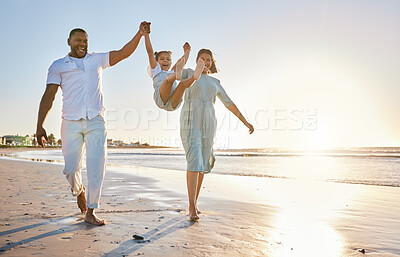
(81, 200)
(178, 68)
(199, 69)
(93, 219)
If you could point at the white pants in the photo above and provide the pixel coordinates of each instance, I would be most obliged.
(74, 135)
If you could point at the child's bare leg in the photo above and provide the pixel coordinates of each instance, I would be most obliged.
(184, 84)
(179, 67)
(166, 86)
(180, 90)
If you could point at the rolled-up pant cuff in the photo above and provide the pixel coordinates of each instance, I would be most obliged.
(93, 205)
(75, 181)
(76, 193)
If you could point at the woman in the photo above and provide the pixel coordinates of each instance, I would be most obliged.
(198, 125)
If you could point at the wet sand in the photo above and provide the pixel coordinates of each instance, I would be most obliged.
(241, 216)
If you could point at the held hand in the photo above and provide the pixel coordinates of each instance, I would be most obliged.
(41, 136)
(148, 27)
(251, 129)
(144, 28)
(186, 47)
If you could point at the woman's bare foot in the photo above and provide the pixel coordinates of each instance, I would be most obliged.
(93, 219)
(198, 211)
(193, 214)
(199, 69)
(193, 217)
(179, 67)
(81, 200)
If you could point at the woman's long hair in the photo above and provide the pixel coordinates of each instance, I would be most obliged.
(213, 68)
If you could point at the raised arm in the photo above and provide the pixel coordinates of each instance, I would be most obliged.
(232, 107)
(238, 114)
(150, 51)
(130, 47)
(186, 52)
(45, 106)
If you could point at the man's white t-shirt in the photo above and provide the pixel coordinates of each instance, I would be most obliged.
(78, 62)
(80, 84)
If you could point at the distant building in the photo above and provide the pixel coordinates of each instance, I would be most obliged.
(113, 143)
(3, 141)
(118, 142)
(16, 140)
(109, 142)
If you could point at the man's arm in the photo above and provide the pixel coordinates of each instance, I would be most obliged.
(130, 47)
(45, 106)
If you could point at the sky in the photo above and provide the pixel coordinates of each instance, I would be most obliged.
(306, 74)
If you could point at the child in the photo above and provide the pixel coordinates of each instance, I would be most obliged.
(167, 94)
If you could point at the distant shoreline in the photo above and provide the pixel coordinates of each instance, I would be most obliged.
(59, 147)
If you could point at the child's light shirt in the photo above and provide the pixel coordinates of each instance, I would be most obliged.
(158, 75)
(157, 70)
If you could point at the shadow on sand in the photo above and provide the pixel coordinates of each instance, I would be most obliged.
(60, 230)
(160, 231)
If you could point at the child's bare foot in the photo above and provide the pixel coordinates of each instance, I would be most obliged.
(199, 69)
(178, 68)
(81, 200)
(171, 77)
(93, 219)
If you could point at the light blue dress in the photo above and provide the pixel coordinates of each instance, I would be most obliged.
(198, 122)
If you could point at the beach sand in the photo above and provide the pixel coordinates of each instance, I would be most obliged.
(241, 216)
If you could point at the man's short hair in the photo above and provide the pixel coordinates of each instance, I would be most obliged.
(76, 30)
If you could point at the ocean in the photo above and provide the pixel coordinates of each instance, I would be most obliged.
(379, 166)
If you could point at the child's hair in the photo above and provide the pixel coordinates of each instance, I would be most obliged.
(213, 68)
(157, 54)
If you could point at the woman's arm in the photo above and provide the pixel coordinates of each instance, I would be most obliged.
(150, 52)
(238, 114)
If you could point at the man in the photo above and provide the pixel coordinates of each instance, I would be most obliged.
(79, 76)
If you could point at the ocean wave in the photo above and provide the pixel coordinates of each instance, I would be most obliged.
(397, 155)
(351, 171)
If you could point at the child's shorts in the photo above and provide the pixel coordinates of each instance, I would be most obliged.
(157, 81)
